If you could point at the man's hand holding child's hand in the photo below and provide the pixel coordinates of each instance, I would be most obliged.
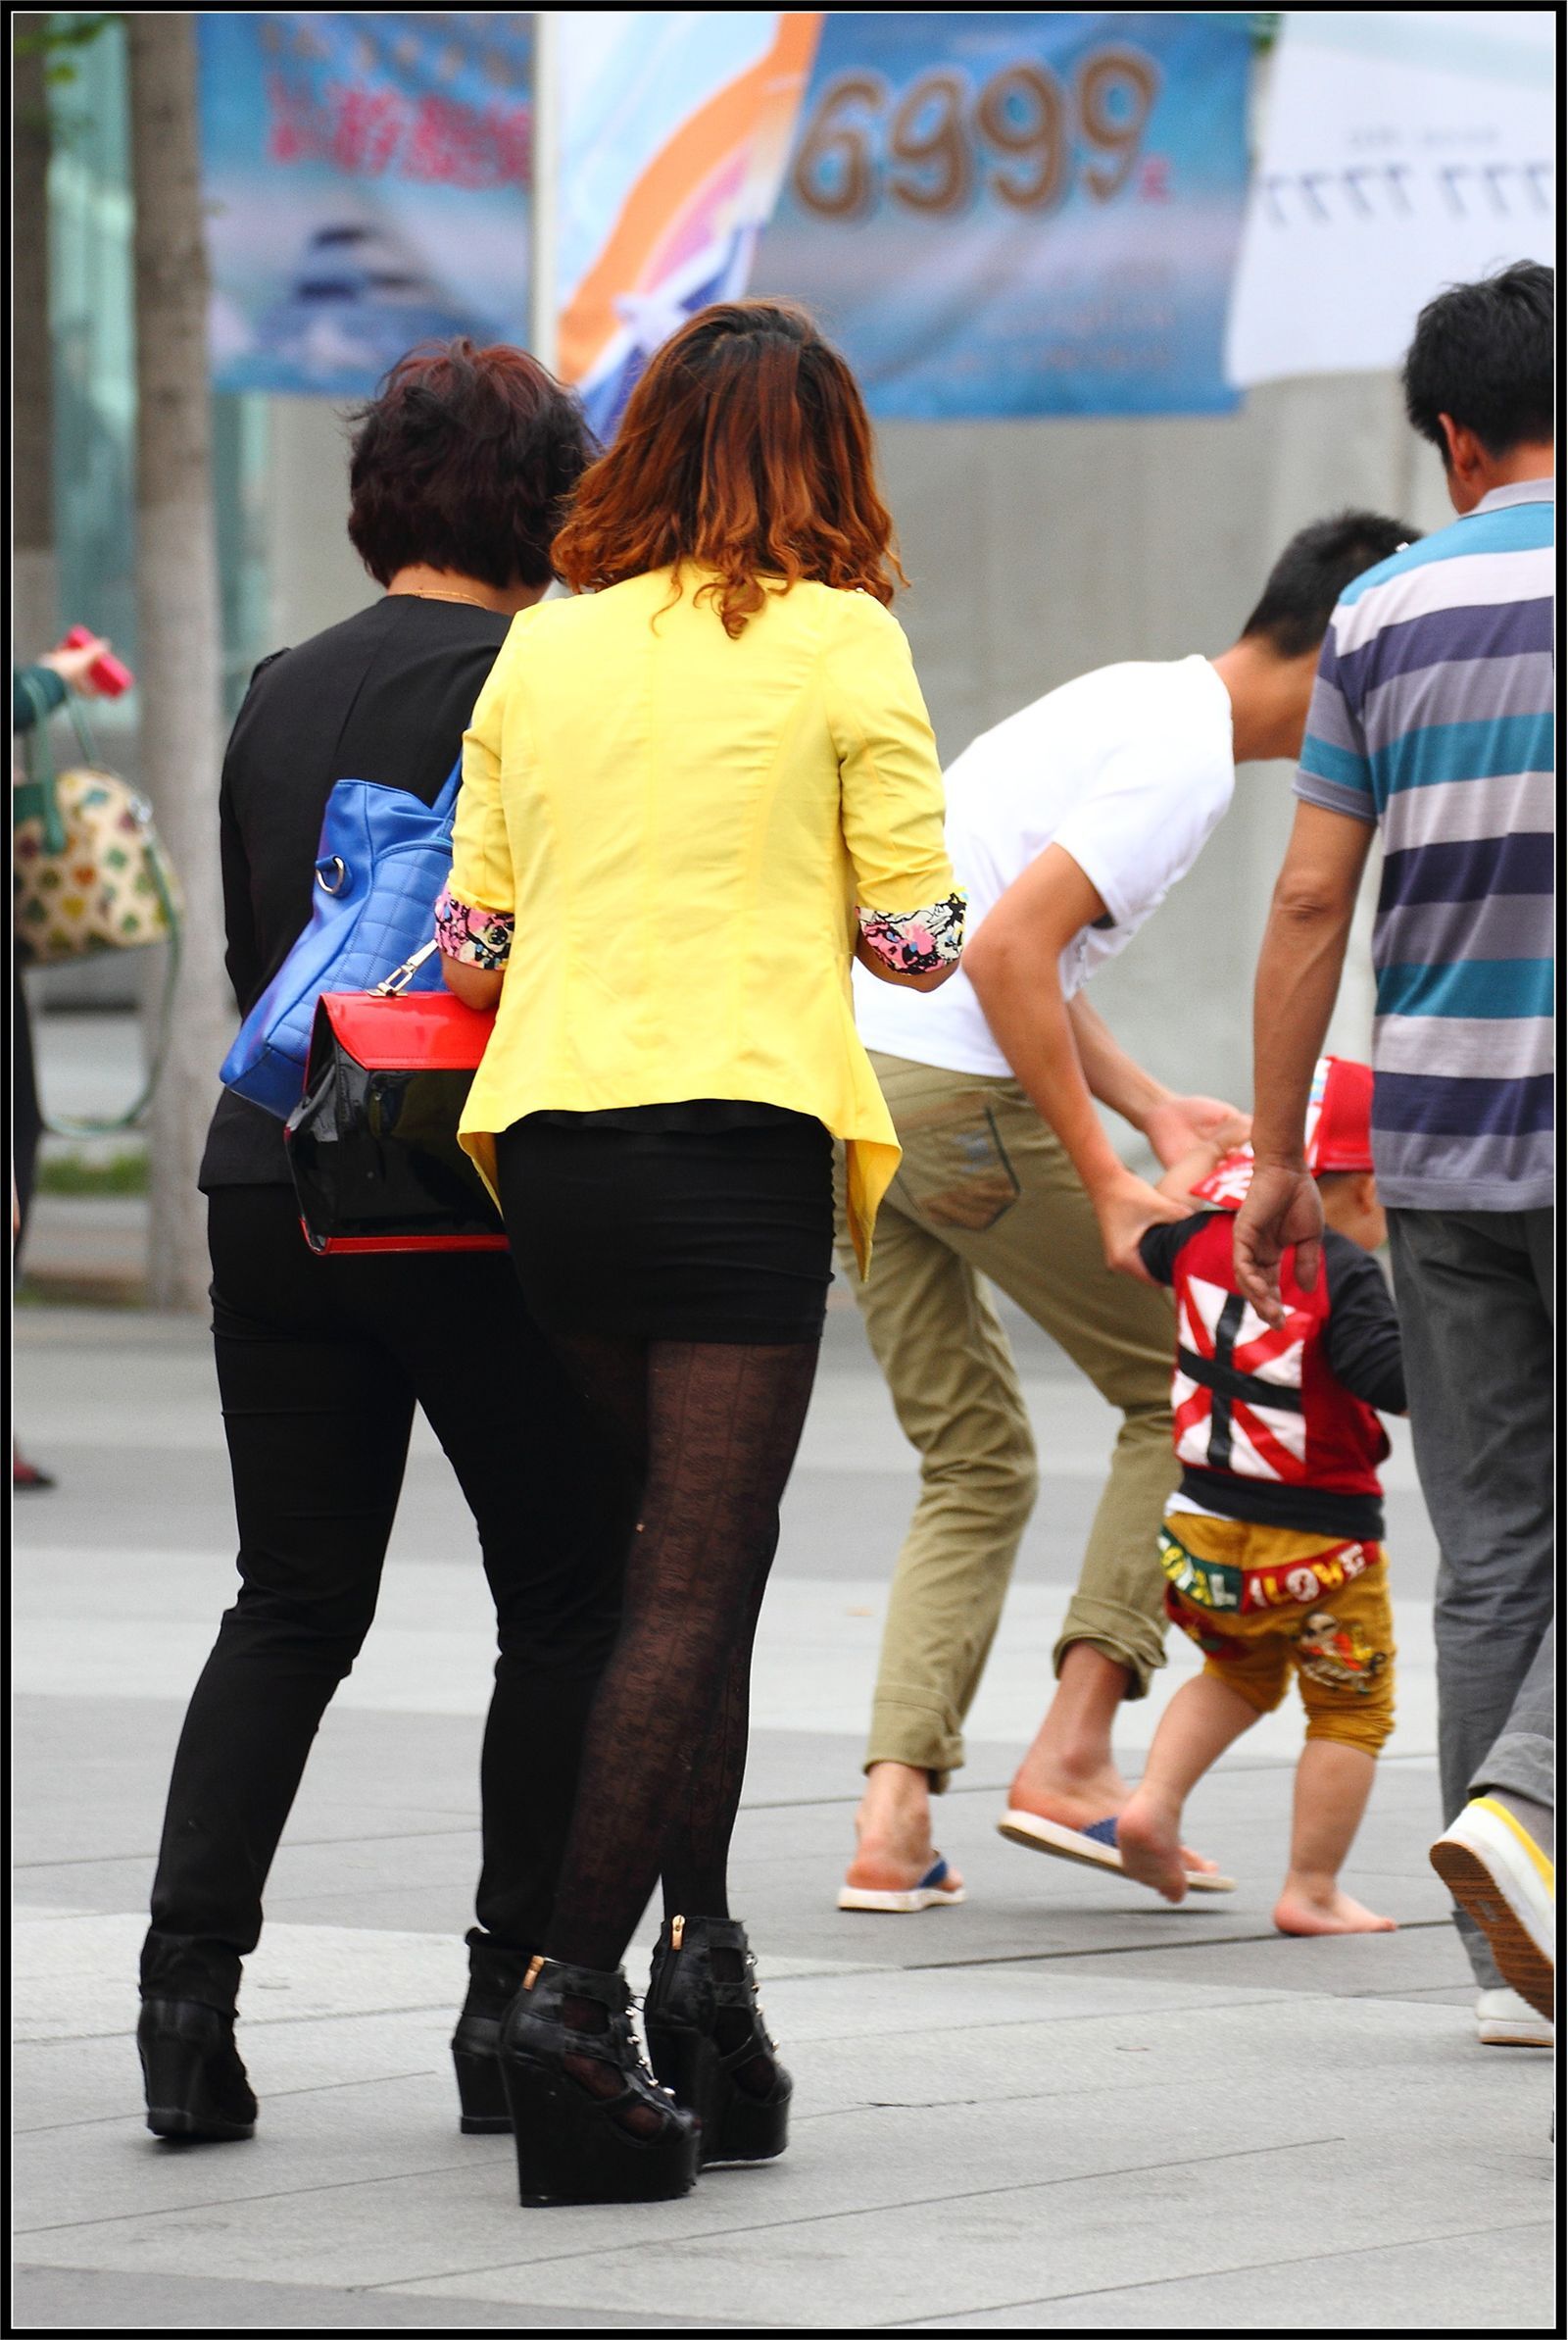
(1177, 1123)
(1126, 1208)
(1283, 1207)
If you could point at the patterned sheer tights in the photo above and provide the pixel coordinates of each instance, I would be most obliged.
(714, 1426)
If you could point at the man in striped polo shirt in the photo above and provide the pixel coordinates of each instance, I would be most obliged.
(1432, 719)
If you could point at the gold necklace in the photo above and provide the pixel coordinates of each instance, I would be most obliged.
(423, 593)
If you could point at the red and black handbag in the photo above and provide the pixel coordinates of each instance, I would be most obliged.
(373, 1141)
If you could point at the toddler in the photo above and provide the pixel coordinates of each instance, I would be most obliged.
(1272, 1545)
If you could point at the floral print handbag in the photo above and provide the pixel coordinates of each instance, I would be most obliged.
(89, 870)
(89, 874)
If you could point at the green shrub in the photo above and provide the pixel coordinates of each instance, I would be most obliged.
(77, 1174)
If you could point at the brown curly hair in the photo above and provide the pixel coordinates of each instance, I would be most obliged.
(744, 449)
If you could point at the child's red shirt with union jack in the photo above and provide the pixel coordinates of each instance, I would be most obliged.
(1280, 1426)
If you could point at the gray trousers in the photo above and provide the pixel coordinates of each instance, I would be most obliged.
(1475, 1296)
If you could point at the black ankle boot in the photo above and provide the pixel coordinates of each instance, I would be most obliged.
(196, 2084)
(495, 1977)
(589, 2122)
(708, 2042)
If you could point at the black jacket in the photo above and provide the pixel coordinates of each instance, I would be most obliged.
(385, 696)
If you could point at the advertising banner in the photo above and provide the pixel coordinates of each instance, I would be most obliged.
(994, 214)
(999, 214)
(674, 130)
(1404, 150)
(366, 181)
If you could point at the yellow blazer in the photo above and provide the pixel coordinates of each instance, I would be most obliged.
(683, 827)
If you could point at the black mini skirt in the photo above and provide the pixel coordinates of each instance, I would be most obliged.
(717, 1228)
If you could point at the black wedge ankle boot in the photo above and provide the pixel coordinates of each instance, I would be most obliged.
(495, 1977)
(589, 2122)
(196, 2084)
(708, 2042)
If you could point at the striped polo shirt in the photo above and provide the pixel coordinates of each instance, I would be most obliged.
(1431, 715)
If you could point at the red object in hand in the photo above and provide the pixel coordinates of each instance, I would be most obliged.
(110, 674)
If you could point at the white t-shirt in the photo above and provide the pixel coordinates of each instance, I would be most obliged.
(1128, 769)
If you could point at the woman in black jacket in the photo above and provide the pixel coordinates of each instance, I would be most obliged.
(460, 471)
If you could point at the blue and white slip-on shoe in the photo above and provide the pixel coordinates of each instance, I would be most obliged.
(933, 1892)
(1095, 1847)
(1507, 1884)
(1505, 2020)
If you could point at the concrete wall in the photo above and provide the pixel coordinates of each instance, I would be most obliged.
(1041, 550)
(1037, 551)
(315, 574)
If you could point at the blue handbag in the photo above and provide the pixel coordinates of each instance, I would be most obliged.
(384, 857)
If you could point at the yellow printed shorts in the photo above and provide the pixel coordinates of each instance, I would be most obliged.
(1262, 1602)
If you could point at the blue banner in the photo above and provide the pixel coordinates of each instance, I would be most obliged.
(1006, 215)
(366, 182)
(993, 214)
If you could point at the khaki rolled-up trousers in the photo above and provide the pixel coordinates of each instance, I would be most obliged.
(985, 1191)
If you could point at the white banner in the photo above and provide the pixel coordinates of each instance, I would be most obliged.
(1404, 150)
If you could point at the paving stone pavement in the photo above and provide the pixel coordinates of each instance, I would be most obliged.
(1061, 2106)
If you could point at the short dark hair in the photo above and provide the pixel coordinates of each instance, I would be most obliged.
(1314, 571)
(1483, 354)
(466, 459)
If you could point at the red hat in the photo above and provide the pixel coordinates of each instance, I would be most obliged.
(1339, 1132)
(1339, 1117)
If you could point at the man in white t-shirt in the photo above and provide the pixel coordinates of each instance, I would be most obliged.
(1068, 824)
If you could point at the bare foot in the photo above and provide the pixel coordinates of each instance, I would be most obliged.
(1305, 1909)
(893, 1827)
(1149, 1840)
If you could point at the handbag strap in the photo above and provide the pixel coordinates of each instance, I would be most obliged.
(35, 738)
(446, 804)
(402, 976)
(38, 793)
(135, 1112)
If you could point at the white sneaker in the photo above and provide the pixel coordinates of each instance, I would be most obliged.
(1505, 2020)
(1507, 1884)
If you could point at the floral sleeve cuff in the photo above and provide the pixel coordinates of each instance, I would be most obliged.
(477, 937)
(916, 942)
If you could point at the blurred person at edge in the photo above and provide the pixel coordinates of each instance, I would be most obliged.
(1432, 720)
(37, 692)
(460, 468)
(1068, 823)
(689, 798)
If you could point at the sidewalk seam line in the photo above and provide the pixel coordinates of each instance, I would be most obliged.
(828, 2217)
(1208, 2274)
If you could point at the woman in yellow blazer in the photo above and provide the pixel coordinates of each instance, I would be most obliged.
(689, 797)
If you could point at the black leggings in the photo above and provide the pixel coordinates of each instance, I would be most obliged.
(683, 1281)
(664, 1756)
(321, 1363)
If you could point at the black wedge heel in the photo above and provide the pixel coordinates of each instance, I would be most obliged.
(708, 2042)
(495, 1977)
(589, 2122)
(196, 2084)
(481, 2098)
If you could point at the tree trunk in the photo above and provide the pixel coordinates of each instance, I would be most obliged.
(179, 618)
(35, 617)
